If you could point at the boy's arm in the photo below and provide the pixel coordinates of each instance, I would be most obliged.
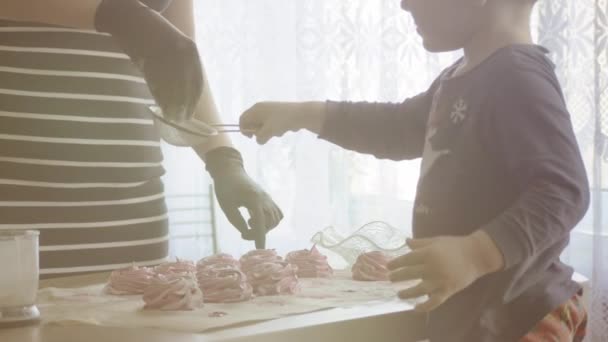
(386, 130)
(531, 136)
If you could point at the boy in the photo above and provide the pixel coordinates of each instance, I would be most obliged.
(502, 181)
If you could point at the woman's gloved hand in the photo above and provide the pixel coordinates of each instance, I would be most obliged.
(235, 189)
(168, 59)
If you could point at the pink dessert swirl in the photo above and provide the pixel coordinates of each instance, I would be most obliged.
(129, 281)
(311, 263)
(173, 292)
(371, 266)
(224, 283)
(221, 258)
(274, 278)
(258, 256)
(176, 267)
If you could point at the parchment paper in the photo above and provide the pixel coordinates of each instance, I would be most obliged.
(89, 305)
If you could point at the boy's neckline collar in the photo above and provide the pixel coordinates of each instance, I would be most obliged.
(448, 75)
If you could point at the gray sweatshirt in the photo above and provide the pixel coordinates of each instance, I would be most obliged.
(499, 154)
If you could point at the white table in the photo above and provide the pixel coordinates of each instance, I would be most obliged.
(385, 321)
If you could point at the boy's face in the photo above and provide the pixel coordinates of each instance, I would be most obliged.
(446, 25)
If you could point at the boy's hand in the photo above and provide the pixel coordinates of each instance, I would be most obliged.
(266, 120)
(445, 265)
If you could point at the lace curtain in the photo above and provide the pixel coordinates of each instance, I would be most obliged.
(313, 50)
(295, 50)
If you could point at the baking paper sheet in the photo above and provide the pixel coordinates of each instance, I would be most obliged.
(89, 305)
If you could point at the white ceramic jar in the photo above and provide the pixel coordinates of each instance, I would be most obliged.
(19, 278)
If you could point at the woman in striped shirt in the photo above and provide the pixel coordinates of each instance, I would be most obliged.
(80, 157)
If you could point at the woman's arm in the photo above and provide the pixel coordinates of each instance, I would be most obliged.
(71, 13)
(234, 189)
(181, 14)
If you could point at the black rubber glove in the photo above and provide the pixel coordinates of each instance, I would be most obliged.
(168, 59)
(235, 189)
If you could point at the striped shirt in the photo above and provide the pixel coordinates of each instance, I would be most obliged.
(80, 157)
